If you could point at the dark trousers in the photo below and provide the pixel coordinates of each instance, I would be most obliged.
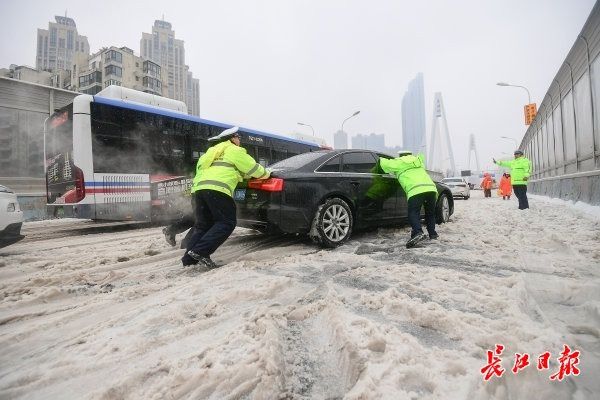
(215, 215)
(426, 200)
(521, 193)
(487, 192)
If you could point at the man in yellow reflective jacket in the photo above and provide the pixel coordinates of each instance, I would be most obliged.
(218, 172)
(520, 169)
(420, 191)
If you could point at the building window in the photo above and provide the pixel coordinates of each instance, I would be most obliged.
(113, 55)
(70, 40)
(61, 43)
(94, 77)
(151, 68)
(152, 83)
(113, 70)
(52, 37)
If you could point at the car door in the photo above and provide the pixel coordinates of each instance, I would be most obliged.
(390, 191)
(358, 169)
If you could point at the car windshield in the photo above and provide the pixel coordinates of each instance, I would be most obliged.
(455, 180)
(296, 161)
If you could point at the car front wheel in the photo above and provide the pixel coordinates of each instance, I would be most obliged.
(442, 209)
(332, 224)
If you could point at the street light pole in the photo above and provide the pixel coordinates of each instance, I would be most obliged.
(353, 115)
(523, 87)
(310, 126)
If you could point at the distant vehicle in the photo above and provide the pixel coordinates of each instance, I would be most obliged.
(327, 195)
(128, 155)
(11, 217)
(459, 186)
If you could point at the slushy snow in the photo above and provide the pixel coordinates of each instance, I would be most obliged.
(114, 315)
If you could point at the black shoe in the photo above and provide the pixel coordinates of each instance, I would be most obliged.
(203, 260)
(435, 236)
(169, 236)
(415, 240)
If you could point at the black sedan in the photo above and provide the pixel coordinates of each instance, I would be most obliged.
(327, 195)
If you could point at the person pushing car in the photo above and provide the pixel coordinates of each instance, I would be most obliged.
(217, 174)
(420, 191)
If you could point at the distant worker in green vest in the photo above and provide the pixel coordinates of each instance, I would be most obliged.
(520, 169)
(420, 191)
(218, 172)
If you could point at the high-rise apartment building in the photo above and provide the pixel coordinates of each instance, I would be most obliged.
(59, 46)
(372, 141)
(413, 117)
(119, 66)
(340, 140)
(161, 47)
(193, 93)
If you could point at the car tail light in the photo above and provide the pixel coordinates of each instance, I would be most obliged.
(268, 185)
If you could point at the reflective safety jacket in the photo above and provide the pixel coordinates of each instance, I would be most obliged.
(505, 186)
(223, 166)
(487, 182)
(410, 171)
(519, 168)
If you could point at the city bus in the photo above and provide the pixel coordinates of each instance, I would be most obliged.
(127, 155)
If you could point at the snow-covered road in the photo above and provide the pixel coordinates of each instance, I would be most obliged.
(114, 315)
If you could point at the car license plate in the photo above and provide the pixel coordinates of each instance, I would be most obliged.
(239, 194)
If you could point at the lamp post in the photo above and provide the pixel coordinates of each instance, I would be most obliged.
(353, 115)
(523, 87)
(513, 139)
(310, 126)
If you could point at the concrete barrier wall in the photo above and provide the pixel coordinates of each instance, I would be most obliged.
(563, 142)
(583, 187)
(23, 108)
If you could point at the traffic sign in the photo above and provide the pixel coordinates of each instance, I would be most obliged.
(530, 112)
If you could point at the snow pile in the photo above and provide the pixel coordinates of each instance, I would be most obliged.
(114, 315)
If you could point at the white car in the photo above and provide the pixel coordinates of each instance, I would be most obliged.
(11, 217)
(458, 186)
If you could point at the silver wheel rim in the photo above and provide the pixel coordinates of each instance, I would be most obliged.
(445, 209)
(336, 223)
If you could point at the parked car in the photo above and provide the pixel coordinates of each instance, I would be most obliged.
(328, 195)
(459, 186)
(11, 217)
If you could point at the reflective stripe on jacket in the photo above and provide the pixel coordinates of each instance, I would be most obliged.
(410, 172)
(519, 168)
(223, 166)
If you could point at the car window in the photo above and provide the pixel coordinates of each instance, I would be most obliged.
(296, 161)
(332, 165)
(359, 162)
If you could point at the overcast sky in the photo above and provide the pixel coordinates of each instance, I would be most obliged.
(270, 64)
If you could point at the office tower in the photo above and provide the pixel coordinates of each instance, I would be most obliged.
(59, 46)
(161, 47)
(413, 117)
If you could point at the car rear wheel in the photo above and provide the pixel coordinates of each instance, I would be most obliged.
(332, 224)
(442, 209)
